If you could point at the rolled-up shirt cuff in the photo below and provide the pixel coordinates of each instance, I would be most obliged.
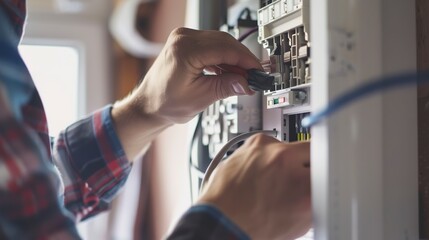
(92, 162)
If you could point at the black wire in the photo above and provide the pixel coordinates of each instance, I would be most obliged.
(194, 139)
(245, 11)
(247, 34)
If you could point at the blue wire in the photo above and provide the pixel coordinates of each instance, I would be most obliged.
(380, 84)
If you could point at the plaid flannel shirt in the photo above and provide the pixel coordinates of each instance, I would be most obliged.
(44, 191)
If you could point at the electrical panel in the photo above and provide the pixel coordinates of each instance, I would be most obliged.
(228, 118)
(282, 42)
(359, 156)
(283, 31)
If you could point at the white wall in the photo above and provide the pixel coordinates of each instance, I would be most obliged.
(91, 38)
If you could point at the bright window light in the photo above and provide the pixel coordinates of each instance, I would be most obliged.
(55, 72)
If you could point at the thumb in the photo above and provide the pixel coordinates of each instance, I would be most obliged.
(226, 85)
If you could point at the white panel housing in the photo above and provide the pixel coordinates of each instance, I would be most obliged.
(364, 170)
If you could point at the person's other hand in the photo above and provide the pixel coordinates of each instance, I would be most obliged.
(264, 187)
(175, 89)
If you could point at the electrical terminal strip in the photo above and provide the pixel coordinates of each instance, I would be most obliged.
(281, 16)
(293, 130)
(283, 31)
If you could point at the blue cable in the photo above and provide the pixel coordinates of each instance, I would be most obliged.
(380, 84)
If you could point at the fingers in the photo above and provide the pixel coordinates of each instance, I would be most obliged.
(260, 139)
(210, 48)
(296, 150)
(263, 167)
(230, 51)
(302, 151)
(290, 155)
(218, 87)
(213, 176)
(299, 152)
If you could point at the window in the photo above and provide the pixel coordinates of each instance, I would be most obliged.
(55, 71)
(83, 79)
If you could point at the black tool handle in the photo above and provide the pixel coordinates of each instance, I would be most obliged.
(259, 80)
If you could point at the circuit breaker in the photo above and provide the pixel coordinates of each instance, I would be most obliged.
(283, 31)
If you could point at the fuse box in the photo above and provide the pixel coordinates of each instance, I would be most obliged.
(282, 42)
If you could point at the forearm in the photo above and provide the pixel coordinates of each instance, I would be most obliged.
(135, 129)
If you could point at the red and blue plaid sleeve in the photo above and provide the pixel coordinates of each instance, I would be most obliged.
(92, 163)
(88, 153)
(29, 203)
(206, 222)
(29, 183)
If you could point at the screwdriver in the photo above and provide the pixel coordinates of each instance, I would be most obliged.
(258, 80)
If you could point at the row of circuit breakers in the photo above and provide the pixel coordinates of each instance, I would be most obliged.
(282, 43)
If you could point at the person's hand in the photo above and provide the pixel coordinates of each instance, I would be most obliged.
(175, 89)
(264, 187)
